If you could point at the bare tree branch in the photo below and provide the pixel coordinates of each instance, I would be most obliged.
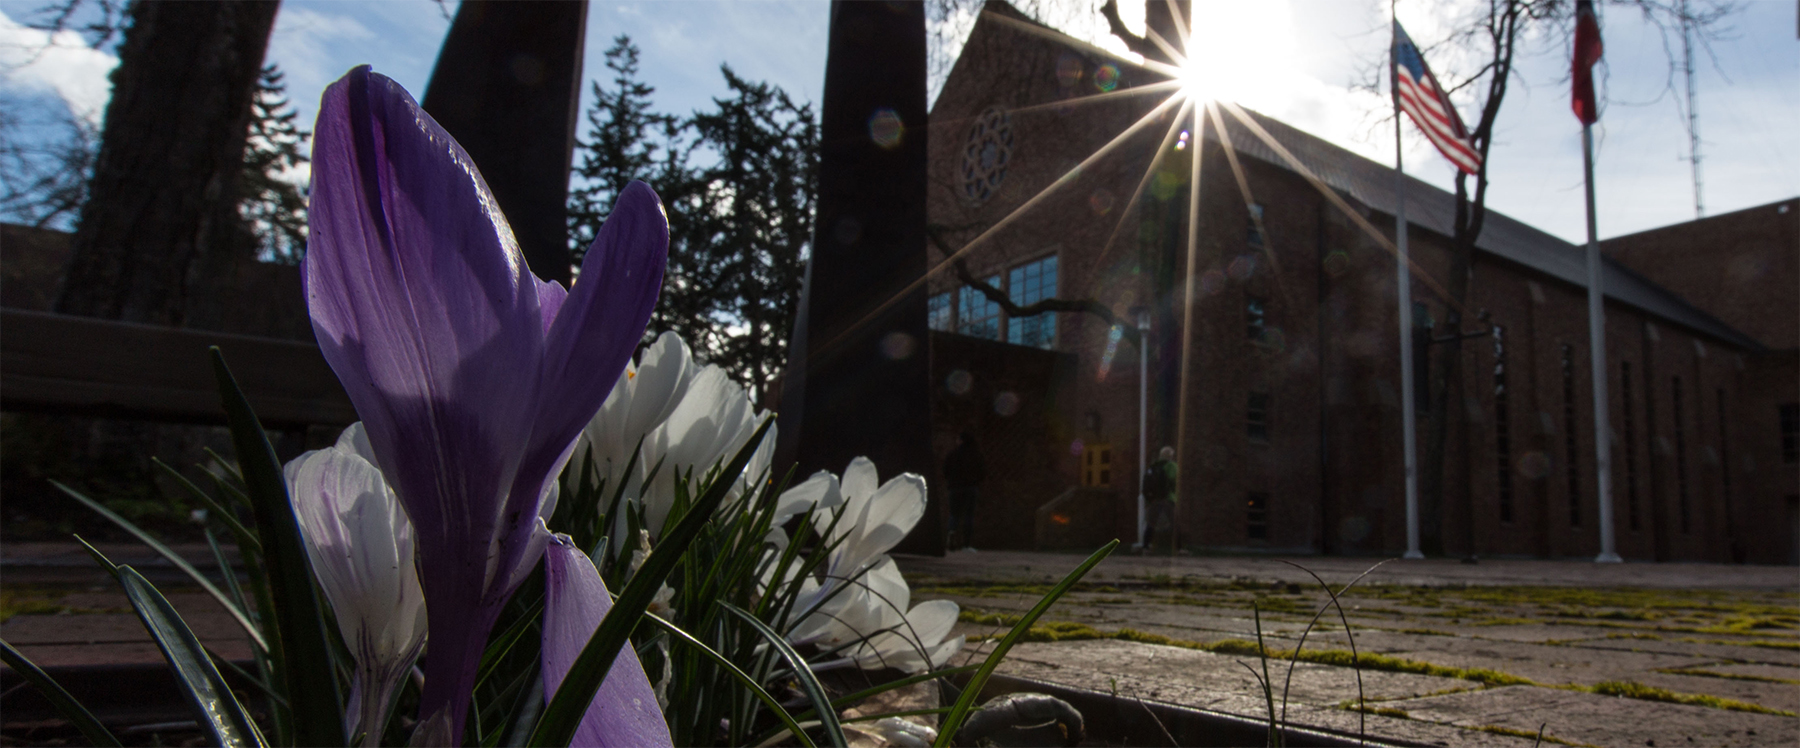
(1135, 43)
(1041, 306)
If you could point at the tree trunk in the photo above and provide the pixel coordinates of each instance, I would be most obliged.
(867, 367)
(161, 225)
(1446, 376)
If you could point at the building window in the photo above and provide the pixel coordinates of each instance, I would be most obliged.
(1681, 469)
(1096, 465)
(938, 314)
(1790, 432)
(1256, 517)
(976, 316)
(1571, 435)
(1253, 220)
(1629, 422)
(1255, 318)
(1029, 284)
(1503, 477)
(1258, 421)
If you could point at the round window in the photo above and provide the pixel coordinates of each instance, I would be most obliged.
(986, 154)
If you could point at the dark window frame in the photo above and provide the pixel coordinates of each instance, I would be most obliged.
(1256, 516)
(1256, 418)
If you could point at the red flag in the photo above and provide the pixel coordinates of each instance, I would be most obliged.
(1587, 52)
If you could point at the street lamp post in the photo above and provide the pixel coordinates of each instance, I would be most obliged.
(1143, 326)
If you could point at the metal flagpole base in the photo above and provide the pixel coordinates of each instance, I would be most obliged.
(1413, 554)
(1608, 558)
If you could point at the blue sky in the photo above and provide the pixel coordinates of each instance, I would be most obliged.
(1292, 59)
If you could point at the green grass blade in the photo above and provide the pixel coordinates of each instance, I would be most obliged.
(736, 674)
(245, 538)
(78, 715)
(236, 612)
(308, 678)
(556, 726)
(216, 709)
(966, 702)
(809, 683)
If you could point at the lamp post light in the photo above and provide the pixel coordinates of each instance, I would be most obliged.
(1143, 326)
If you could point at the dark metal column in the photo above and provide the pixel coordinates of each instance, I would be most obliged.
(867, 368)
(507, 86)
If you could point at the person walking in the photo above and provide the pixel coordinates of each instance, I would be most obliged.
(963, 473)
(1159, 499)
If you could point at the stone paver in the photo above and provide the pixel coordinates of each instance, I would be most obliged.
(1566, 626)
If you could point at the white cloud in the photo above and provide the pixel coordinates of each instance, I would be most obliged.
(302, 43)
(37, 61)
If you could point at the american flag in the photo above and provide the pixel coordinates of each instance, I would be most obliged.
(1424, 100)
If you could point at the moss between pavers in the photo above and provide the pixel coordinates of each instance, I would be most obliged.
(1634, 690)
(1527, 734)
(28, 602)
(1729, 676)
(1057, 631)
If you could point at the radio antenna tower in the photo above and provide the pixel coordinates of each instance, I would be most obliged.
(1693, 115)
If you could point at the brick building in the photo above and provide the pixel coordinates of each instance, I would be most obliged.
(1273, 344)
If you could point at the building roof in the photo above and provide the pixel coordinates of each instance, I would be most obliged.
(1433, 209)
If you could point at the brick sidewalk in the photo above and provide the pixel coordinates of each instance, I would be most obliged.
(1714, 636)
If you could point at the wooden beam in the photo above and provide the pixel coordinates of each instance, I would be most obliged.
(81, 365)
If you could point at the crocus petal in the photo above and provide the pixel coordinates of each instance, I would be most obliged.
(590, 343)
(551, 296)
(624, 711)
(470, 388)
(361, 547)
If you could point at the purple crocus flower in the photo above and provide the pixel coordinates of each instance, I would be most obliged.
(472, 376)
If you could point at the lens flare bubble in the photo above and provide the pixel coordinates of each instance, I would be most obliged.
(1337, 262)
(1069, 69)
(1353, 529)
(1101, 202)
(1006, 403)
(1534, 465)
(959, 382)
(886, 129)
(1273, 340)
(1211, 282)
(1241, 268)
(1106, 78)
(898, 346)
(1077, 447)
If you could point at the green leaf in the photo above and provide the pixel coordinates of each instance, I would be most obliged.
(236, 612)
(736, 674)
(556, 726)
(78, 715)
(802, 672)
(308, 677)
(245, 538)
(216, 709)
(966, 702)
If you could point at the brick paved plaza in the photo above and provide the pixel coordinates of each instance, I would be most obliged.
(1485, 654)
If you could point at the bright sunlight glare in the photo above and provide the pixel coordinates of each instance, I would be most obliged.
(1239, 52)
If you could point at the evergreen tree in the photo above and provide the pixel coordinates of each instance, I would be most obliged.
(273, 206)
(739, 226)
(760, 191)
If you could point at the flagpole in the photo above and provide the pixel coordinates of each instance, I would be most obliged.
(1408, 421)
(1597, 352)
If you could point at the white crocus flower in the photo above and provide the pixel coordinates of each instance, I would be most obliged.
(859, 612)
(689, 417)
(361, 547)
(869, 625)
(872, 519)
